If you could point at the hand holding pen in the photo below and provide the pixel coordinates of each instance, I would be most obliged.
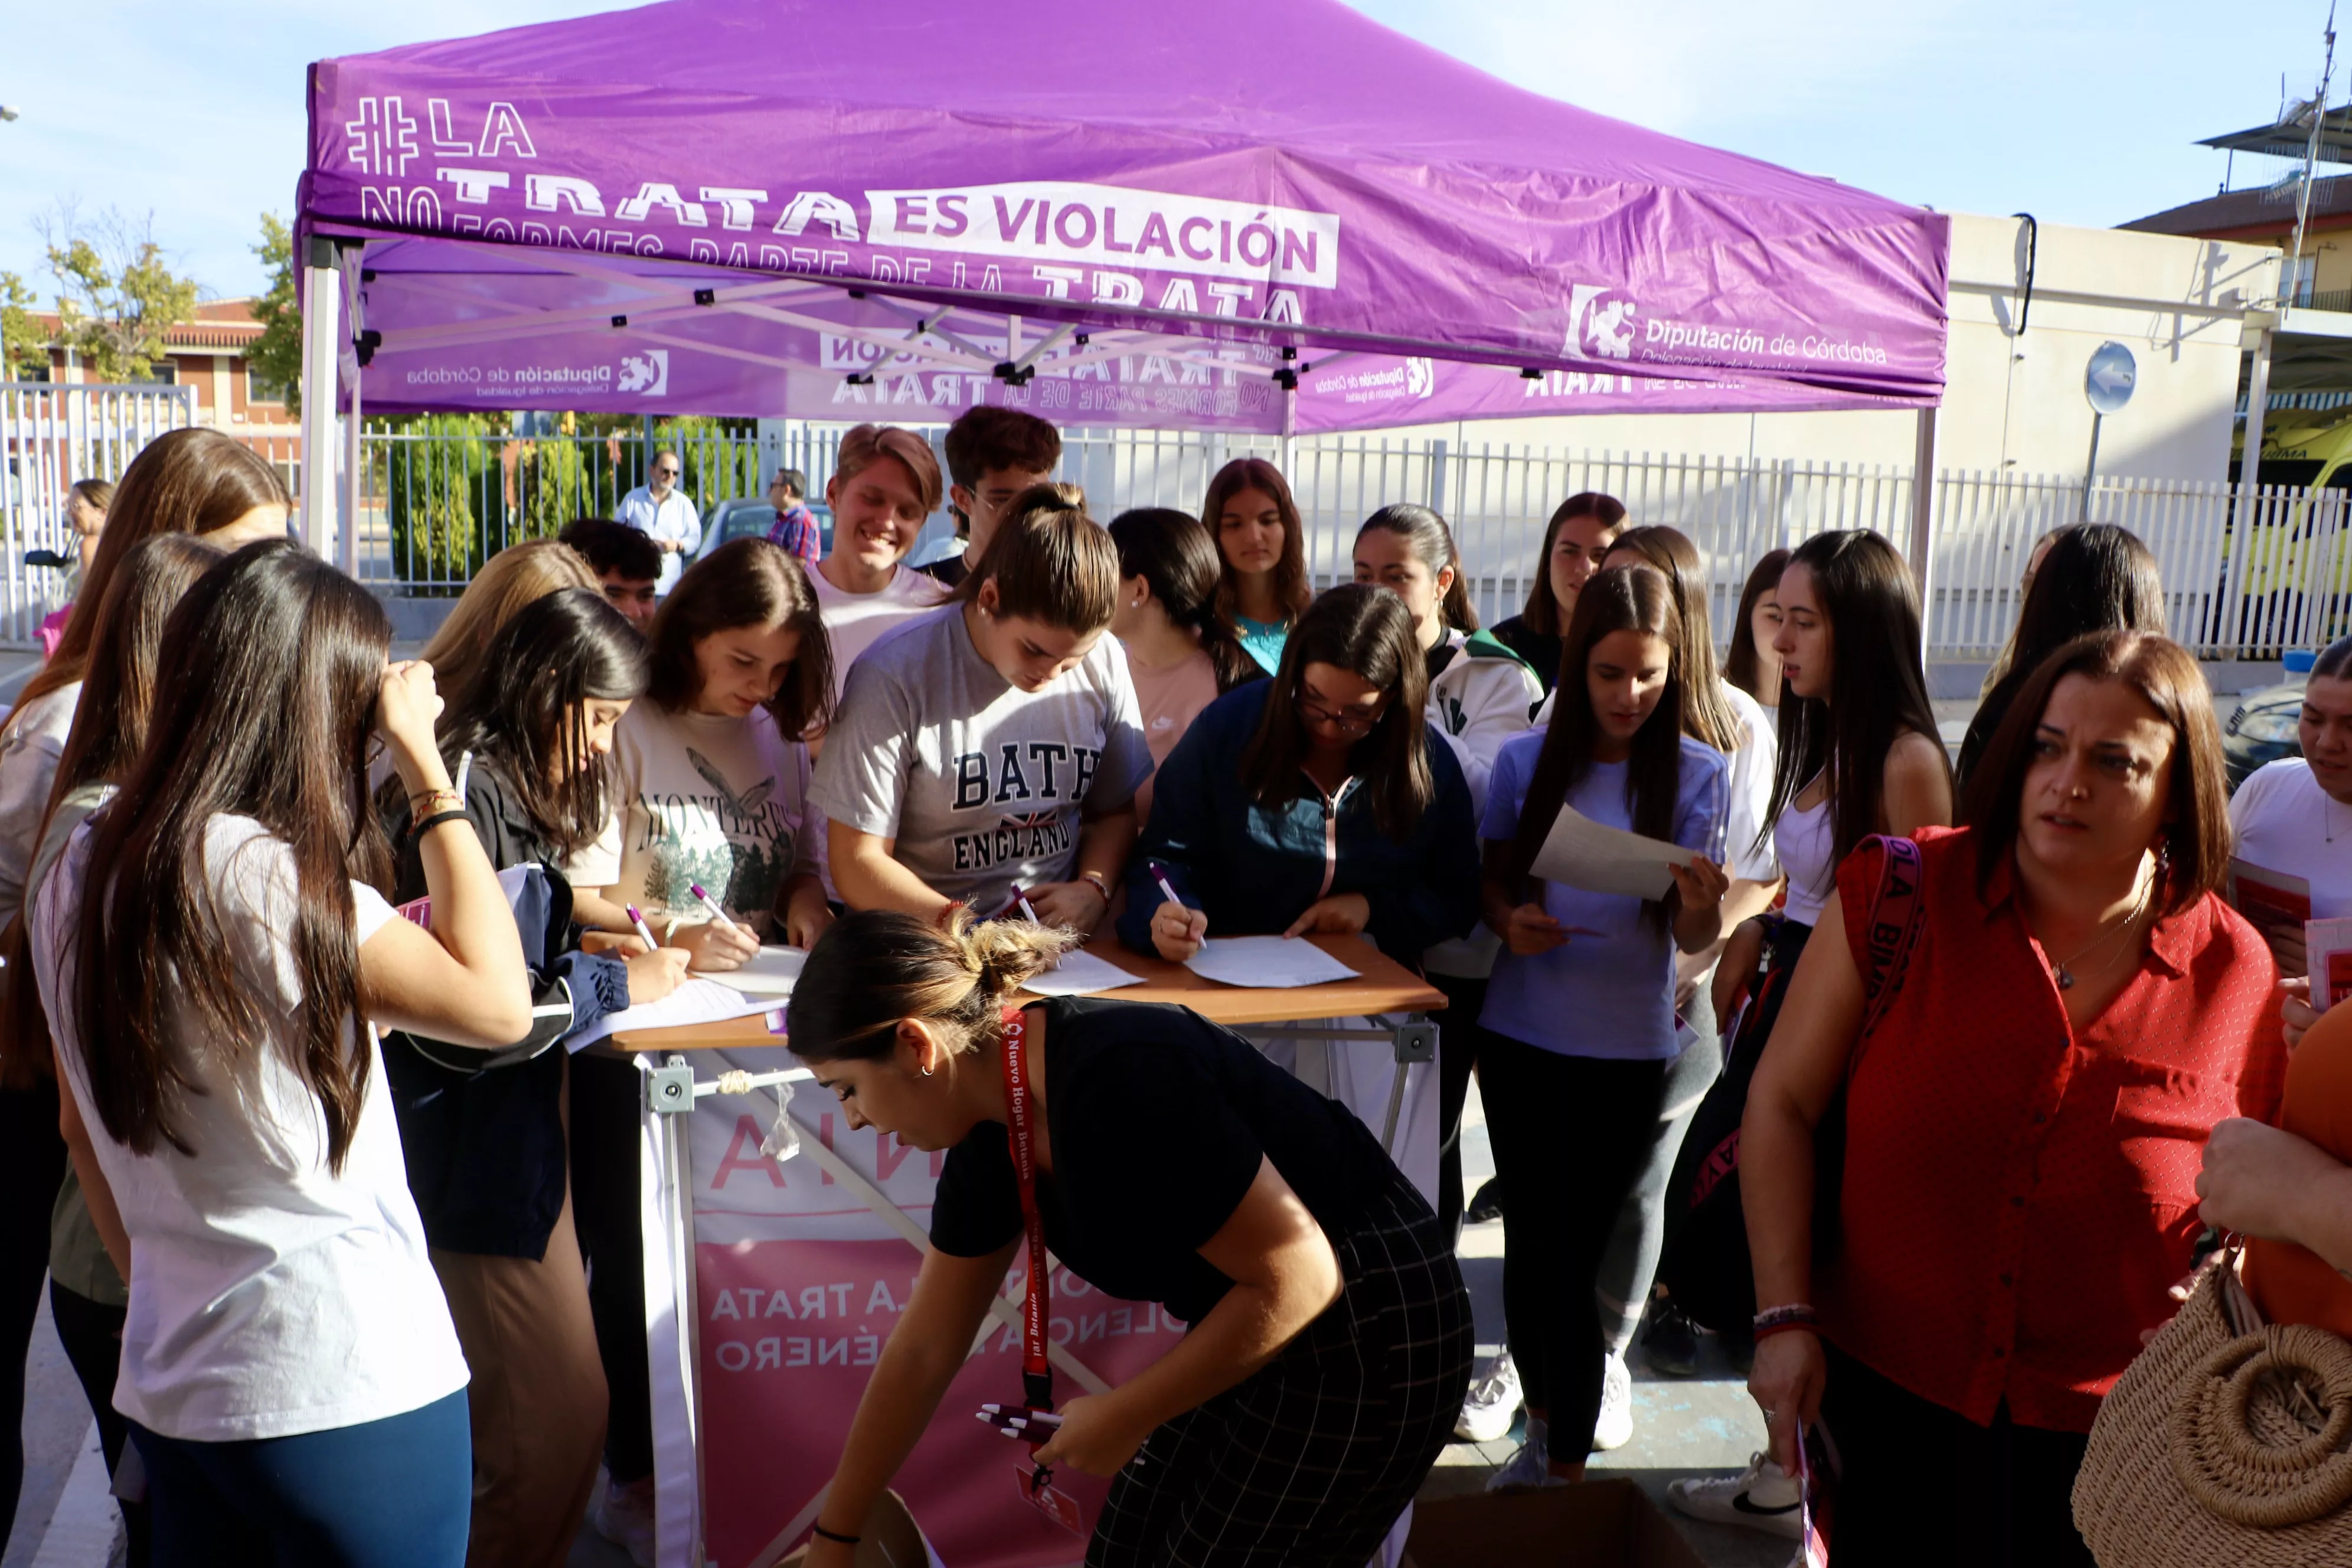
(1177, 930)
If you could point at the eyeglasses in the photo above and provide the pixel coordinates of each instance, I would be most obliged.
(1354, 721)
(665, 473)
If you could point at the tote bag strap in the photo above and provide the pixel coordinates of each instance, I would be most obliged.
(1898, 914)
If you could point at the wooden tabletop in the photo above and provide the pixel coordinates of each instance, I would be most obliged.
(1381, 986)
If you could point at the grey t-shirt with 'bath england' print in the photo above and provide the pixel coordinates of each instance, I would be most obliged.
(980, 782)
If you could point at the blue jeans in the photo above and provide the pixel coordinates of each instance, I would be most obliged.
(394, 1493)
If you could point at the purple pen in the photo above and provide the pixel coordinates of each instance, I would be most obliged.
(711, 904)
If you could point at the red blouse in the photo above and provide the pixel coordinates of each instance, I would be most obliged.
(2018, 1198)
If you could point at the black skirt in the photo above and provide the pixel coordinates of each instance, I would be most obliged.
(1311, 1459)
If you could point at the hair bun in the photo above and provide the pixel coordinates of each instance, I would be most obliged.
(1005, 954)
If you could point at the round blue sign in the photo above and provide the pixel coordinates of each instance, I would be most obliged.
(2107, 381)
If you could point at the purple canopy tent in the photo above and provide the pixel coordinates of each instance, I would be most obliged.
(1274, 216)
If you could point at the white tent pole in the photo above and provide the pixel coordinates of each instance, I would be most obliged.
(1923, 522)
(1289, 453)
(322, 310)
(347, 539)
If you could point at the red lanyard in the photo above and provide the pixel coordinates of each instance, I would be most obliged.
(1036, 1372)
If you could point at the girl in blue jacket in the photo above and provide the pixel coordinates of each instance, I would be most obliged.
(1318, 801)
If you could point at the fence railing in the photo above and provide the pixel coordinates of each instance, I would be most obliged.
(439, 495)
(437, 500)
(51, 436)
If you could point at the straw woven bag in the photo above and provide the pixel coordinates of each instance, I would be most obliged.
(2226, 1442)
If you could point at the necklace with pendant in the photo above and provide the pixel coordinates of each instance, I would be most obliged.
(2063, 971)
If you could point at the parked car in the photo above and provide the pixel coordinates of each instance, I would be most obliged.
(2267, 725)
(752, 518)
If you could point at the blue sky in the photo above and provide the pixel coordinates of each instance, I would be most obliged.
(2081, 113)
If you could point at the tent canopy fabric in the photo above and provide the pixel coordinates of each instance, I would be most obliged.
(1112, 212)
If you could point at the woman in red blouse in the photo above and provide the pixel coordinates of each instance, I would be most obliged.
(2023, 1124)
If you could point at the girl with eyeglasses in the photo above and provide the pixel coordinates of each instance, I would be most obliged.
(1318, 801)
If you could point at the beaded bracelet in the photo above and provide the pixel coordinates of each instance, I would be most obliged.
(1798, 1313)
(425, 802)
(1101, 886)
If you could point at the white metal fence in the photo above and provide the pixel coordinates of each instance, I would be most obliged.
(50, 437)
(438, 497)
(2285, 582)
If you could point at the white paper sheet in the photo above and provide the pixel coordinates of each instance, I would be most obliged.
(1582, 853)
(1268, 962)
(1081, 973)
(699, 1001)
(772, 973)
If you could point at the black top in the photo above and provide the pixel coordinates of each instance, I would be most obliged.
(1543, 652)
(486, 1150)
(1157, 1120)
(1990, 712)
(950, 570)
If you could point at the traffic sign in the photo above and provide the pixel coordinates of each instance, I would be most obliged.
(2107, 381)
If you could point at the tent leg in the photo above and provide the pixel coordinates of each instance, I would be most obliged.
(347, 534)
(322, 307)
(1923, 525)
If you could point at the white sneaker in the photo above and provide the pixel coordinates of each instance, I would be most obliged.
(625, 1516)
(1532, 1466)
(1614, 1427)
(1492, 1403)
(1764, 1498)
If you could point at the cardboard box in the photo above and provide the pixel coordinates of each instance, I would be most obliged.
(892, 1538)
(1599, 1524)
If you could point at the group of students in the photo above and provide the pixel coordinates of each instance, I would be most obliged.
(346, 1245)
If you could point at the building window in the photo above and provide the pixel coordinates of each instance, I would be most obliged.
(259, 388)
(2295, 279)
(164, 372)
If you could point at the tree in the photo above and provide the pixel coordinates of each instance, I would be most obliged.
(118, 296)
(24, 346)
(277, 355)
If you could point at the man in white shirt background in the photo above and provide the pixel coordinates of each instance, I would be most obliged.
(660, 510)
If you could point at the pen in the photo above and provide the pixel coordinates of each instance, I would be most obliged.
(709, 903)
(644, 930)
(1161, 876)
(1023, 900)
(465, 767)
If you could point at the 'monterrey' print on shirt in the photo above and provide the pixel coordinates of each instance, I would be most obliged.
(712, 801)
(981, 786)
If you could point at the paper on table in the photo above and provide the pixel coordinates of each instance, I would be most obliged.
(695, 1002)
(1270, 963)
(1080, 974)
(773, 973)
(1583, 853)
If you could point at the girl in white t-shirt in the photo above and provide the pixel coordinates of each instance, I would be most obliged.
(2294, 816)
(711, 769)
(205, 959)
(885, 484)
